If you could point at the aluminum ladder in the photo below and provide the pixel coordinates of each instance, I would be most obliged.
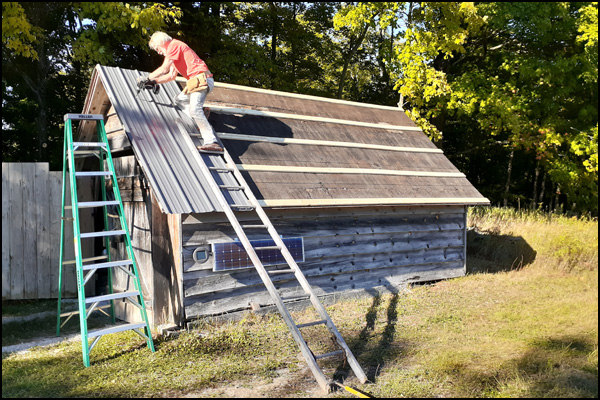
(85, 268)
(222, 163)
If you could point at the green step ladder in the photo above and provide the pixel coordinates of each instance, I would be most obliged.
(87, 267)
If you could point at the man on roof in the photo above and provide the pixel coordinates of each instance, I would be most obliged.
(180, 58)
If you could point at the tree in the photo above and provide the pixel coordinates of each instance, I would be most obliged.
(517, 79)
(47, 55)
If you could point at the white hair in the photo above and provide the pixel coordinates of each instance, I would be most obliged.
(159, 39)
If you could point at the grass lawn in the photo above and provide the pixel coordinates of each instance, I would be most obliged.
(522, 323)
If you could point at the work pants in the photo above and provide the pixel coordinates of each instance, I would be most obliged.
(192, 104)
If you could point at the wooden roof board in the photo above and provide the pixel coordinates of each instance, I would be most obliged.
(306, 129)
(320, 107)
(276, 185)
(335, 157)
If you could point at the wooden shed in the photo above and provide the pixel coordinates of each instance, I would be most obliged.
(368, 199)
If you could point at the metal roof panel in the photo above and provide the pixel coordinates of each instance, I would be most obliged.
(162, 149)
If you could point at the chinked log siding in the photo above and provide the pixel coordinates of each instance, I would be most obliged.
(345, 249)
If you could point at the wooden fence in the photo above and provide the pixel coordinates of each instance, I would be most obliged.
(31, 207)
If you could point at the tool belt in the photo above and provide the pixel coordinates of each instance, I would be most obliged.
(197, 83)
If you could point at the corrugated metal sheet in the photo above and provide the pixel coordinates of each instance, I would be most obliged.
(163, 150)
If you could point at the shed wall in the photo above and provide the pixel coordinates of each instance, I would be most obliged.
(346, 249)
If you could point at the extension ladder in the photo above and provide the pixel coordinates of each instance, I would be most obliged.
(222, 163)
(86, 267)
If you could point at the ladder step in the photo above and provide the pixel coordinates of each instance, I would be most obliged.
(268, 248)
(93, 173)
(312, 323)
(75, 117)
(221, 169)
(231, 187)
(101, 234)
(112, 296)
(281, 271)
(254, 226)
(296, 297)
(90, 204)
(89, 144)
(331, 354)
(111, 264)
(115, 329)
(241, 207)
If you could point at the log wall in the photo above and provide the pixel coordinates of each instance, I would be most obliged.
(346, 249)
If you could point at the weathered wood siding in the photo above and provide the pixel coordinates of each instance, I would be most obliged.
(345, 249)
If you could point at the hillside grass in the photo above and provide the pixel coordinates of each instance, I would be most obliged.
(522, 323)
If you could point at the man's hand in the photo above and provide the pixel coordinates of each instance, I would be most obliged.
(143, 82)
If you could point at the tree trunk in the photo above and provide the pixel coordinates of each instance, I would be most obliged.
(535, 184)
(541, 199)
(274, 33)
(354, 45)
(509, 171)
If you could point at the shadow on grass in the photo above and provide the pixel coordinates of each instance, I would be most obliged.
(489, 252)
(374, 357)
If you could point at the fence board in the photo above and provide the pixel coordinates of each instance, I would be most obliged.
(31, 201)
(5, 232)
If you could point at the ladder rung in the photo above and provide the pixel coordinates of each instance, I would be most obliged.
(221, 169)
(115, 329)
(296, 297)
(268, 248)
(89, 144)
(112, 296)
(75, 117)
(239, 207)
(86, 260)
(89, 204)
(93, 173)
(330, 354)
(311, 323)
(254, 226)
(231, 187)
(101, 234)
(281, 271)
(110, 264)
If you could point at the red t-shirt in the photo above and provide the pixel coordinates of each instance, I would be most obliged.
(186, 61)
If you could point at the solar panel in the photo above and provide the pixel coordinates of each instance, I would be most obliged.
(232, 255)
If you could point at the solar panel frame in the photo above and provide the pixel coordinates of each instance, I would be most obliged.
(232, 255)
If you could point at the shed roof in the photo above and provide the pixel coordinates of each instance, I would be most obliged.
(294, 150)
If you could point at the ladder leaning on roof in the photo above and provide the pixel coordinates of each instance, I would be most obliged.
(89, 266)
(222, 163)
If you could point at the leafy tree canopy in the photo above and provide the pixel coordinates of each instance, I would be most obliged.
(507, 89)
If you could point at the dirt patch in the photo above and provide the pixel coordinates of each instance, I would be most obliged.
(284, 383)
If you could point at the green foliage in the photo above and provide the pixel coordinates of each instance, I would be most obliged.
(493, 84)
(18, 34)
(48, 52)
(116, 24)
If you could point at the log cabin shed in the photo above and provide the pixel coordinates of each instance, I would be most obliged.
(368, 200)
